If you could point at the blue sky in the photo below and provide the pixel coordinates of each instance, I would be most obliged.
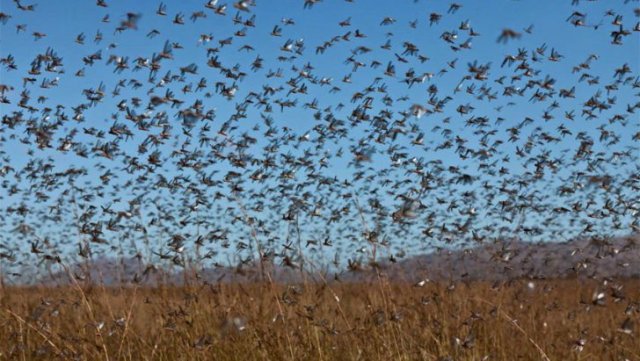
(63, 20)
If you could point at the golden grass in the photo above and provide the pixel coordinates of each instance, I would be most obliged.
(377, 321)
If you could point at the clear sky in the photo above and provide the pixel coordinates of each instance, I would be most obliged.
(539, 24)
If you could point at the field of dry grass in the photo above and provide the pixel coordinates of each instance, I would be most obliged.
(556, 320)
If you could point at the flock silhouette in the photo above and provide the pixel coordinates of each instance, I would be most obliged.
(248, 143)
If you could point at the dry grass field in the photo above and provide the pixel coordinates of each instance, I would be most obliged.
(519, 320)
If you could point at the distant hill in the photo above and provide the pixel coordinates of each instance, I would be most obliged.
(614, 258)
(109, 271)
(619, 258)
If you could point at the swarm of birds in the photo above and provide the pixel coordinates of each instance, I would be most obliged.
(247, 132)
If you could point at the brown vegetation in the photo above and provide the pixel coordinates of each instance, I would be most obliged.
(517, 320)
